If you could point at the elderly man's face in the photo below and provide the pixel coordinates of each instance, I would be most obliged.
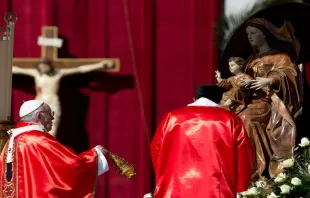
(46, 117)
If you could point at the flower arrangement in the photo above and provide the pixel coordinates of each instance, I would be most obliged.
(294, 182)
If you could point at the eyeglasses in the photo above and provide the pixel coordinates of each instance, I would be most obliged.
(52, 113)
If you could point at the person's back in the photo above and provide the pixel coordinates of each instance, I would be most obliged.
(201, 152)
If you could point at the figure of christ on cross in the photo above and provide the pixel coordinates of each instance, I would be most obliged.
(47, 77)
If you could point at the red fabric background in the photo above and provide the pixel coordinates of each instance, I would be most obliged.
(165, 48)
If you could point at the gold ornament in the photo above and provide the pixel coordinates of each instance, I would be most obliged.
(121, 165)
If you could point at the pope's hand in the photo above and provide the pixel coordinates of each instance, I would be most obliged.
(102, 150)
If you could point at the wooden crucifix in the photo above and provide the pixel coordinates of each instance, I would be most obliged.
(47, 78)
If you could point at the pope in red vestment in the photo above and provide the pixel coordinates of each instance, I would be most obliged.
(201, 151)
(35, 165)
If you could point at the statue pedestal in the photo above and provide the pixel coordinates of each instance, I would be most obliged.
(4, 127)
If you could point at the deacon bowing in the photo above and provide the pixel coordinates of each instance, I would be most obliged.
(201, 151)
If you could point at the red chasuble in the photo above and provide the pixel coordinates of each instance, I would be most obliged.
(42, 167)
(201, 152)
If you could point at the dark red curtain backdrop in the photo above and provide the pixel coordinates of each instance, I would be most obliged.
(166, 49)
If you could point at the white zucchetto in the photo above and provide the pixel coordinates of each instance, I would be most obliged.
(29, 107)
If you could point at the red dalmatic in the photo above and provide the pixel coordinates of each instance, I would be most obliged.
(42, 167)
(201, 152)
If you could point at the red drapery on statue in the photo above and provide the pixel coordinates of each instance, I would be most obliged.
(166, 49)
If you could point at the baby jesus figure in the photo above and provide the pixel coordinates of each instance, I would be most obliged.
(237, 96)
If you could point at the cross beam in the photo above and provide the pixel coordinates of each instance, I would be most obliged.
(51, 52)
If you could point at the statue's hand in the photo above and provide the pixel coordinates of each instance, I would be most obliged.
(228, 102)
(260, 83)
(246, 83)
(218, 76)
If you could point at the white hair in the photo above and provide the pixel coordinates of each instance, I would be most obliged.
(31, 117)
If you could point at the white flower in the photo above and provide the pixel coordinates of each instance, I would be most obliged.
(238, 195)
(309, 168)
(272, 195)
(285, 189)
(280, 178)
(288, 163)
(246, 193)
(253, 191)
(250, 192)
(304, 142)
(296, 181)
(149, 195)
(261, 184)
